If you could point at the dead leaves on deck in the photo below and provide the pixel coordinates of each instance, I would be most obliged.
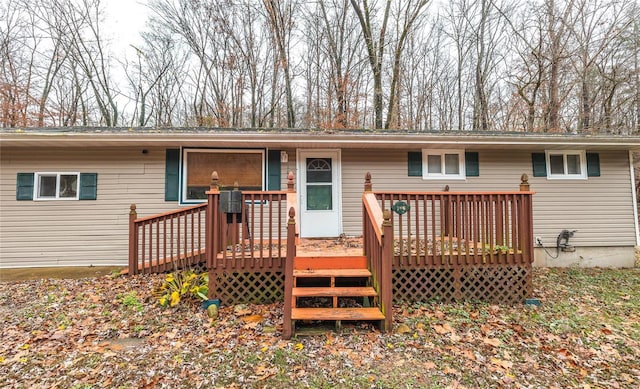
(109, 332)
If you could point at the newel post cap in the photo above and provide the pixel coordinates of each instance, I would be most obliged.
(524, 183)
(290, 182)
(386, 217)
(368, 187)
(214, 181)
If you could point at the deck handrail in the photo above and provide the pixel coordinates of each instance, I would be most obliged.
(169, 213)
(378, 248)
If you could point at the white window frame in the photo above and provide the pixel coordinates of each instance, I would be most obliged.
(36, 186)
(565, 176)
(184, 172)
(443, 176)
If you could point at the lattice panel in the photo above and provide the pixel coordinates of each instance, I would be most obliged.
(499, 284)
(423, 284)
(237, 288)
(502, 284)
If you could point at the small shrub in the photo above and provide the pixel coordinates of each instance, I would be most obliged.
(130, 300)
(183, 286)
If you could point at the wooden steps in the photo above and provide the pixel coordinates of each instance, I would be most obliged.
(333, 288)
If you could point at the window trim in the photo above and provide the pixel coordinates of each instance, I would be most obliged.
(184, 165)
(443, 176)
(565, 176)
(36, 186)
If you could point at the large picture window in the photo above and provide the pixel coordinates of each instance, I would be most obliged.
(246, 167)
(56, 186)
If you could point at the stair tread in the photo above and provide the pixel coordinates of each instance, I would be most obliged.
(328, 262)
(336, 314)
(334, 291)
(332, 273)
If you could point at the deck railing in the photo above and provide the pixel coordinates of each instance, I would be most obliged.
(450, 245)
(378, 248)
(253, 239)
(168, 241)
(461, 228)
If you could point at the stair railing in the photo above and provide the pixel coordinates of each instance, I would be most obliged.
(378, 248)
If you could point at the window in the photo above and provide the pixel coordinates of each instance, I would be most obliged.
(56, 186)
(566, 164)
(246, 167)
(319, 187)
(443, 164)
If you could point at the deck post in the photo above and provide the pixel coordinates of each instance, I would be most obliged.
(133, 240)
(287, 325)
(386, 271)
(447, 211)
(212, 233)
(527, 228)
(368, 187)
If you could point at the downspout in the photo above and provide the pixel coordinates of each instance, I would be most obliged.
(633, 197)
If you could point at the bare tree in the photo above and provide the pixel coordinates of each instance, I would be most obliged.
(408, 13)
(281, 16)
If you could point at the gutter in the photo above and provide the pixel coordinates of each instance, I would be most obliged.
(314, 140)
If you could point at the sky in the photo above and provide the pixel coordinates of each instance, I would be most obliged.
(124, 21)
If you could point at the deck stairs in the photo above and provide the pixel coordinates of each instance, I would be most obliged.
(334, 288)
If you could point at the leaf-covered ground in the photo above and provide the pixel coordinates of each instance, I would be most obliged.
(109, 332)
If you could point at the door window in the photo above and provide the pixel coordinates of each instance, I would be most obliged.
(319, 186)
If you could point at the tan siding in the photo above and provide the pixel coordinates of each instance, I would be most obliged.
(600, 208)
(74, 233)
(78, 233)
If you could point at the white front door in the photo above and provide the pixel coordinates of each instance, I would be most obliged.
(320, 203)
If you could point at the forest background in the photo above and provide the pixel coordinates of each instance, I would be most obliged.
(559, 66)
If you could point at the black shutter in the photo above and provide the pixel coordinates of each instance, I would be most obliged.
(172, 175)
(539, 161)
(273, 170)
(88, 186)
(472, 164)
(414, 164)
(593, 165)
(24, 186)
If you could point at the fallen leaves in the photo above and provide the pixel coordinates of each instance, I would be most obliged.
(494, 342)
(578, 335)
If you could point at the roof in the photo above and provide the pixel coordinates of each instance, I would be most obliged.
(304, 138)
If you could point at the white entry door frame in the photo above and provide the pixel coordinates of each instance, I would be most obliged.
(320, 194)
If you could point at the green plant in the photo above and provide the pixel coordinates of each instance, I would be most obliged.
(130, 300)
(182, 285)
(497, 249)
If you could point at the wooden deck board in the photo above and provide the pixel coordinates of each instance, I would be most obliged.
(332, 273)
(336, 314)
(341, 262)
(334, 291)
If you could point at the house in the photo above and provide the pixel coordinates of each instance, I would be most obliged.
(65, 193)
